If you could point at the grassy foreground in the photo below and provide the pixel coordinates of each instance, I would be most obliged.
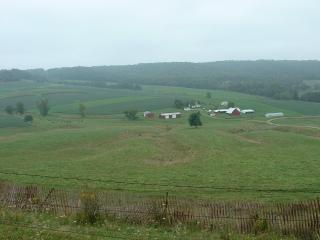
(19, 225)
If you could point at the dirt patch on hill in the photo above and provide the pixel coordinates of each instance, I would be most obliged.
(171, 152)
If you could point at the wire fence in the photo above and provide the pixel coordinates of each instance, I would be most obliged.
(299, 218)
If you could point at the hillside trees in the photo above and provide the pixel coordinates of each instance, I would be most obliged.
(43, 106)
(311, 96)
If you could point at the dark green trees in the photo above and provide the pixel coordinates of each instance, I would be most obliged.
(195, 119)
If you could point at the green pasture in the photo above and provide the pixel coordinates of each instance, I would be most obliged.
(245, 152)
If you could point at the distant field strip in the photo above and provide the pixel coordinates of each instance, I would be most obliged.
(171, 185)
(298, 122)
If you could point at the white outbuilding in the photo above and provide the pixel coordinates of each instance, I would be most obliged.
(271, 115)
(170, 115)
(247, 111)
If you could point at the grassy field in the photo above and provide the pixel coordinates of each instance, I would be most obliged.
(312, 122)
(244, 152)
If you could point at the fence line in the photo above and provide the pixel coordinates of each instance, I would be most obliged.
(298, 218)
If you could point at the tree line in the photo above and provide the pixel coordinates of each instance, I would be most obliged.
(276, 79)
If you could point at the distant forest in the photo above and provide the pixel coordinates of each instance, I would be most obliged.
(276, 79)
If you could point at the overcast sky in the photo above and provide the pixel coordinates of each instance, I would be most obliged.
(55, 33)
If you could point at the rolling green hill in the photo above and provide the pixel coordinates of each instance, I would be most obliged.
(225, 152)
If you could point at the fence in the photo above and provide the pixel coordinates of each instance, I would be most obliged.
(298, 218)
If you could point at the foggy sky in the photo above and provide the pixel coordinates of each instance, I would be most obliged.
(55, 33)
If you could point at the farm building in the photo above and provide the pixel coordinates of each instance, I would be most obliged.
(278, 114)
(170, 115)
(148, 114)
(234, 111)
(230, 111)
(247, 111)
(187, 109)
(220, 110)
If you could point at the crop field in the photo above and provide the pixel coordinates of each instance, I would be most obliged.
(245, 152)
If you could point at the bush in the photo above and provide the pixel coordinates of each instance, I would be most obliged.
(260, 226)
(28, 118)
(89, 213)
(131, 114)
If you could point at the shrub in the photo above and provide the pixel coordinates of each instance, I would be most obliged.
(28, 118)
(260, 226)
(89, 213)
(131, 114)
